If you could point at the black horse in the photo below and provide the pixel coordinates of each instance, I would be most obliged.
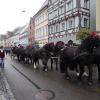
(44, 54)
(96, 60)
(49, 51)
(56, 53)
(81, 55)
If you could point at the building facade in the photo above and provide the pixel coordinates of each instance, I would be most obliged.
(98, 15)
(3, 40)
(93, 15)
(66, 17)
(8, 38)
(31, 31)
(14, 40)
(41, 25)
(23, 36)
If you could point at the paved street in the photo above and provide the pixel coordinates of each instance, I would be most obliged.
(26, 84)
(5, 90)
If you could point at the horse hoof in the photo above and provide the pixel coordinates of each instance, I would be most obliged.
(85, 74)
(67, 77)
(90, 83)
(46, 70)
(77, 74)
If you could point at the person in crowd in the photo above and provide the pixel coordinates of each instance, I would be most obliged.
(2, 56)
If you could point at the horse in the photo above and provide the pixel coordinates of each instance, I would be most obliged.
(13, 52)
(49, 51)
(80, 55)
(56, 53)
(44, 53)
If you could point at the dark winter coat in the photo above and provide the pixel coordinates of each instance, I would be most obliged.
(2, 54)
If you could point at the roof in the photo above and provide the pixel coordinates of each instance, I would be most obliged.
(43, 6)
(23, 29)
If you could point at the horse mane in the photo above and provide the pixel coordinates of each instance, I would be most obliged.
(59, 43)
(49, 46)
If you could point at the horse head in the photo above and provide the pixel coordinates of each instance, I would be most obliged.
(49, 46)
(89, 43)
(59, 45)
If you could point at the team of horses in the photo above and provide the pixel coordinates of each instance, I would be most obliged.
(72, 56)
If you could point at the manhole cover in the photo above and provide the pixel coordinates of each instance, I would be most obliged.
(45, 95)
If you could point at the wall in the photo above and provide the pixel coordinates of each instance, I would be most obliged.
(98, 15)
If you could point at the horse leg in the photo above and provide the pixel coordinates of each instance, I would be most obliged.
(44, 62)
(62, 66)
(38, 62)
(11, 57)
(77, 70)
(45, 68)
(66, 72)
(99, 73)
(56, 60)
(90, 75)
(51, 63)
(31, 60)
(35, 61)
(81, 68)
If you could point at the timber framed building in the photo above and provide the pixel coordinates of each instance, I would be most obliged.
(66, 17)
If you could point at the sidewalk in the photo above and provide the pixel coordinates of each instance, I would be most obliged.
(5, 91)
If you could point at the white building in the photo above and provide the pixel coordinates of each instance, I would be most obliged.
(66, 17)
(14, 40)
(23, 36)
(3, 40)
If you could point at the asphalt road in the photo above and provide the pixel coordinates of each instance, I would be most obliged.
(26, 83)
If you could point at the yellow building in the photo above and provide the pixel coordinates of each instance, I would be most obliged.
(41, 25)
(98, 15)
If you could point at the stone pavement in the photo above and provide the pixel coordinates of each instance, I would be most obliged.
(5, 91)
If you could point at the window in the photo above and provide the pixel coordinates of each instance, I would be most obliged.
(85, 22)
(63, 26)
(30, 27)
(70, 24)
(61, 10)
(56, 13)
(69, 5)
(49, 32)
(86, 3)
(57, 28)
(50, 2)
(51, 29)
(50, 15)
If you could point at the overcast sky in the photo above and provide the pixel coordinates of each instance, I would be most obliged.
(12, 15)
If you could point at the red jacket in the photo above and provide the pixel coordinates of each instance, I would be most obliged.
(2, 54)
